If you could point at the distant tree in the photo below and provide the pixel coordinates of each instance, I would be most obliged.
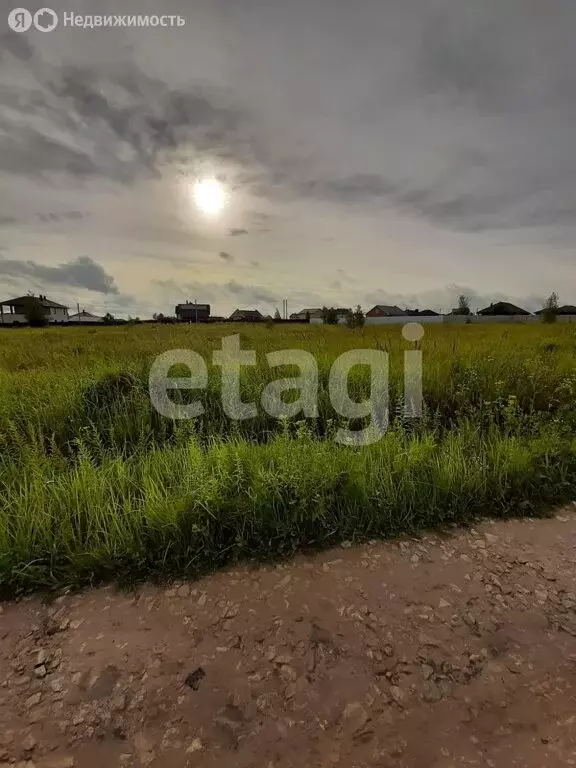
(550, 309)
(330, 315)
(464, 305)
(355, 319)
(108, 318)
(34, 315)
(277, 315)
(158, 317)
(307, 317)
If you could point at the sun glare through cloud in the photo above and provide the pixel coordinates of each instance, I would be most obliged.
(209, 196)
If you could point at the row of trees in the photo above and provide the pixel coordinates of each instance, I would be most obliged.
(354, 318)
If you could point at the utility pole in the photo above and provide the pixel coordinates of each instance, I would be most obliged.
(196, 305)
(78, 308)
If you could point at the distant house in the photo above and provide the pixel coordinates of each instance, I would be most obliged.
(15, 311)
(192, 313)
(384, 314)
(317, 316)
(425, 313)
(503, 308)
(382, 310)
(246, 316)
(567, 309)
(305, 314)
(85, 317)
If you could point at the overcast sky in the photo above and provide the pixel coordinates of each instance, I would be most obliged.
(374, 151)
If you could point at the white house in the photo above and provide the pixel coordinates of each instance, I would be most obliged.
(85, 317)
(15, 311)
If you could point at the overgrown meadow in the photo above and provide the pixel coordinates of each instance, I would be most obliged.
(95, 484)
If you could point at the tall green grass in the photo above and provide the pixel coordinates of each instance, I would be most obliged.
(94, 483)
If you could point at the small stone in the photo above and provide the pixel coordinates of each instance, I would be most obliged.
(444, 603)
(194, 678)
(41, 657)
(184, 591)
(29, 743)
(290, 691)
(56, 685)
(118, 703)
(195, 746)
(427, 671)
(40, 671)
(398, 695)
(288, 673)
(355, 716)
(33, 701)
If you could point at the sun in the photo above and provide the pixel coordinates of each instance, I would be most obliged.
(210, 196)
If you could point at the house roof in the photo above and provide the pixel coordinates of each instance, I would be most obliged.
(190, 305)
(503, 308)
(304, 312)
(47, 303)
(84, 313)
(247, 313)
(566, 309)
(427, 313)
(384, 309)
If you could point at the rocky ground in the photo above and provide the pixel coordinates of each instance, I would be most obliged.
(456, 650)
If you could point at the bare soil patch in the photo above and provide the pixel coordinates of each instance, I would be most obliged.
(440, 651)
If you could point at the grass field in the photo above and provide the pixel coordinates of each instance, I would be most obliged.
(94, 483)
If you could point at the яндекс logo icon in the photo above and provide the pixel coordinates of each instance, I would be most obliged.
(45, 20)
(20, 20)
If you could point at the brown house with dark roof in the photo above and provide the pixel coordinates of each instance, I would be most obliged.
(246, 316)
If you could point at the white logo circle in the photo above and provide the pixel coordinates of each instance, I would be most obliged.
(20, 20)
(45, 20)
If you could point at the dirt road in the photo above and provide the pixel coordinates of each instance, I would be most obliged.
(443, 651)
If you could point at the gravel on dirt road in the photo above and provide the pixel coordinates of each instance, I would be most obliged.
(445, 650)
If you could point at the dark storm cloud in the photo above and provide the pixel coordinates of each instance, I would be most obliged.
(114, 125)
(512, 204)
(226, 256)
(237, 232)
(83, 272)
(17, 45)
